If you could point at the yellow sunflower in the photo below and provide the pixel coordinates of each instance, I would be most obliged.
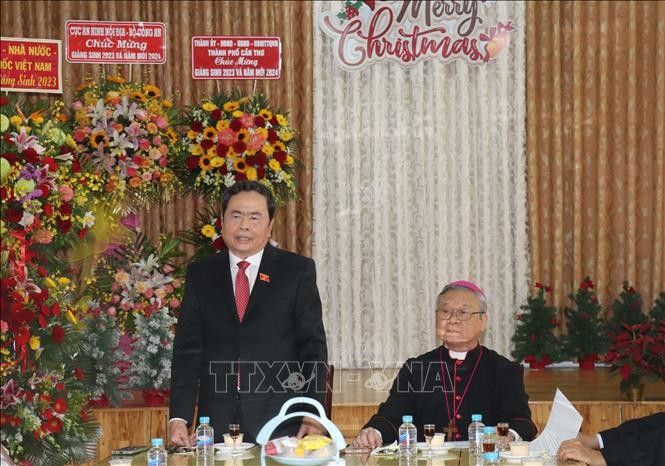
(209, 133)
(221, 124)
(268, 149)
(209, 106)
(116, 79)
(138, 95)
(191, 134)
(251, 174)
(231, 153)
(279, 145)
(171, 134)
(239, 165)
(204, 162)
(262, 131)
(208, 231)
(152, 91)
(281, 120)
(242, 134)
(196, 150)
(231, 106)
(265, 113)
(274, 165)
(289, 160)
(98, 137)
(212, 152)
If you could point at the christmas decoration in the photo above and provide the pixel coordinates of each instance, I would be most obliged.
(534, 338)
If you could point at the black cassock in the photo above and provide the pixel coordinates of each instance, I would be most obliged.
(436, 389)
(638, 441)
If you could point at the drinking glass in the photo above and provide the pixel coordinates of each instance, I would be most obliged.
(428, 431)
(234, 433)
(502, 430)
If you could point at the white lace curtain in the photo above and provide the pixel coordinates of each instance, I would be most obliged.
(419, 179)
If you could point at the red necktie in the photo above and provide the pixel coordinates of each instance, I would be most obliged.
(242, 289)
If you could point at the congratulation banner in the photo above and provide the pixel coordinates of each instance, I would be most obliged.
(115, 42)
(410, 31)
(236, 57)
(31, 65)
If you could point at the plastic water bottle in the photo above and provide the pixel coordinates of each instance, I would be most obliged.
(205, 450)
(476, 436)
(157, 454)
(407, 437)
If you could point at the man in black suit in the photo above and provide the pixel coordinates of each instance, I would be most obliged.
(636, 442)
(250, 333)
(447, 385)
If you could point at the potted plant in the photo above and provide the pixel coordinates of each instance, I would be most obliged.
(585, 338)
(638, 352)
(534, 338)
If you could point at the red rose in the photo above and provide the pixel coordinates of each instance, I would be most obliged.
(259, 122)
(280, 156)
(7, 135)
(235, 125)
(272, 136)
(84, 415)
(58, 333)
(218, 244)
(222, 150)
(76, 166)
(82, 233)
(192, 163)
(64, 150)
(13, 215)
(250, 160)
(239, 147)
(3, 193)
(55, 310)
(44, 189)
(60, 386)
(539, 285)
(197, 126)
(223, 170)
(66, 208)
(79, 374)
(64, 225)
(218, 224)
(260, 159)
(30, 156)
(48, 210)
(216, 114)
(273, 121)
(241, 177)
(260, 173)
(52, 165)
(42, 272)
(10, 157)
(207, 144)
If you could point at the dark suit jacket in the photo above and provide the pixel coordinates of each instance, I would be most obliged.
(280, 338)
(637, 442)
(496, 391)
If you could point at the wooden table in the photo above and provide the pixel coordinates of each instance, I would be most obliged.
(456, 457)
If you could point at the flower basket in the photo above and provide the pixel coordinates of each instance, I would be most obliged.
(588, 363)
(154, 397)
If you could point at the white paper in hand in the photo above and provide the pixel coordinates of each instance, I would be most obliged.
(563, 424)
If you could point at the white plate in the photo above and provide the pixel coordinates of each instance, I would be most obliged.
(515, 458)
(422, 446)
(307, 461)
(223, 448)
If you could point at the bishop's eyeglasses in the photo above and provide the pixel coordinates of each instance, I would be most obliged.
(460, 314)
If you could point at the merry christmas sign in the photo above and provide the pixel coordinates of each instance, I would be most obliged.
(410, 31)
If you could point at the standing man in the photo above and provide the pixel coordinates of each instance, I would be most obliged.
(250, 333)
(459, 378)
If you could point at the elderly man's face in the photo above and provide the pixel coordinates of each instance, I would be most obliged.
(456, 334)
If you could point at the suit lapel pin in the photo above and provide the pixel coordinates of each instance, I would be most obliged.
(264, 278)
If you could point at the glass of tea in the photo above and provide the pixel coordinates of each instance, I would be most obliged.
(428, 431)
(502, 431)
(234, 433)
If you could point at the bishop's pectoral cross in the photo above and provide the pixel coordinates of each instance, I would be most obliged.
(450, 431)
